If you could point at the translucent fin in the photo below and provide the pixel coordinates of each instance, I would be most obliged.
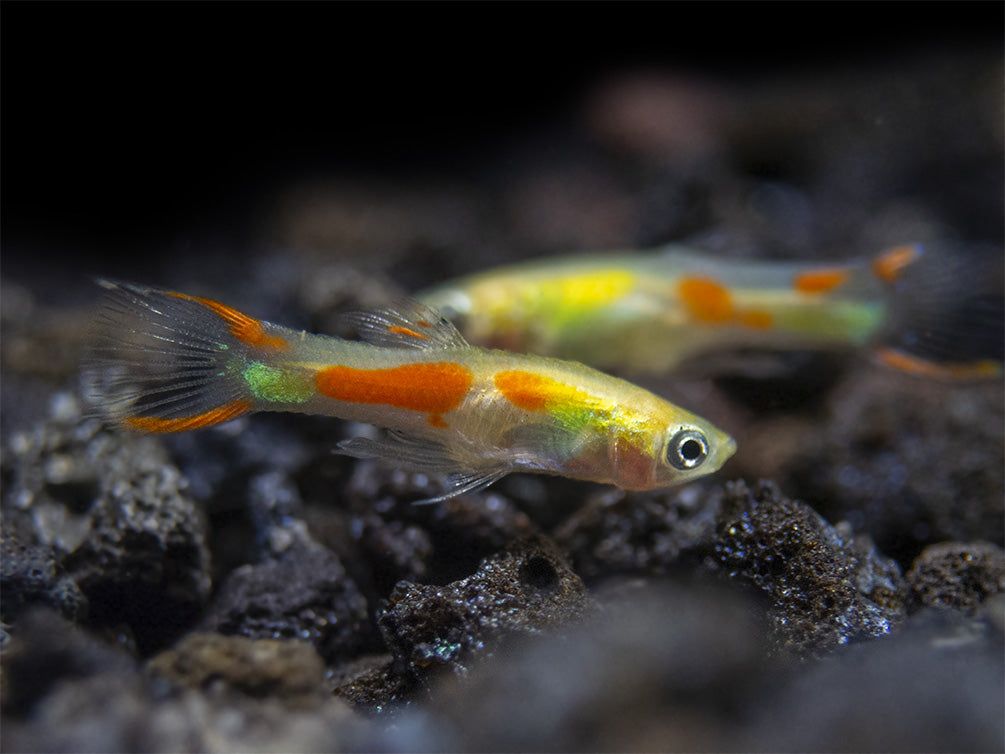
(402, 449)
(408, 324)
(423, 455)
(947, 313)
(462, 483)
(163, 362)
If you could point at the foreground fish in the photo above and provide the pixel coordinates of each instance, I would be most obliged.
(651, 312)
(169, 362)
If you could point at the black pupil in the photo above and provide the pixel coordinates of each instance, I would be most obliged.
(691, 449)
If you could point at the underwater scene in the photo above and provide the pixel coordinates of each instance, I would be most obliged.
(629, 389)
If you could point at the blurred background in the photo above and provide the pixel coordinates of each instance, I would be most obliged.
(138, 138)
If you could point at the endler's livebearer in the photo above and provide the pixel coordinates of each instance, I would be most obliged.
(169, 362)
(917, 310)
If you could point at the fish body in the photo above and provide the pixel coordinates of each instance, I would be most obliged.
(652, 312)
(168, 362)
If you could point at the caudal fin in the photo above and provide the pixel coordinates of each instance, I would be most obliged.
(947, 318)
(168, 362)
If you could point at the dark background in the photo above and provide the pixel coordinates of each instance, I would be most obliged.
(127, 125)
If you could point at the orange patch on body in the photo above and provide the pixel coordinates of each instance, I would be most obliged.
(246, 329)
(705, 299)
(432, 388)
(890, 265)
(217, 415)
(525, 390)
(821, 281)
(905, 362)
(711, 303)
(756, 318)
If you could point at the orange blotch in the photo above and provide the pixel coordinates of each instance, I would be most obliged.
(432, 388)
(950, 371)
(525, 390)
(217, 415)
(821, 281)
(705, 299)
(246, 329)
(407, 331)
(757, 319)
(889, 265)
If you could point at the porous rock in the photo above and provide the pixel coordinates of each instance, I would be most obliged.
(305, 594)
(289, 670)
(957, 575)
(525, 588)
(30, 575)
(619, 533)
(664, 665)
(119, 521)
(826, 587)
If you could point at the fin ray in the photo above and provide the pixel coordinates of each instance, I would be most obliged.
(162, 363)
(407, 324)
(946, 314)
(424, 455)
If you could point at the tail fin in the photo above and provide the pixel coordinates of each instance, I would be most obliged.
(947, 318)
(168, 362)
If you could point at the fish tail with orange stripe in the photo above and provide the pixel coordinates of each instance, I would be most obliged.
(169, 362)
(946, 315)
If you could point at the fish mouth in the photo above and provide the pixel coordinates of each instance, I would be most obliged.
(724, 450)
(728, 448)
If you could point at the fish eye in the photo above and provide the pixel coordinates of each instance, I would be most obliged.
(687, 449)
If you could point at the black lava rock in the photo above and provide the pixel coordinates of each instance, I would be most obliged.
(305, 594)
(826, 587)
(956, 575)
(523, 589)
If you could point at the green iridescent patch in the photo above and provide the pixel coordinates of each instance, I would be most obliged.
(277, 385)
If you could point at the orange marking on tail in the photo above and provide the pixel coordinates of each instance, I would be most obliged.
(433, 388)
(905, 362)
(217, 415)
(406, 331)
(246, 329)
(821, 281)
(890, 265)
(705, 299)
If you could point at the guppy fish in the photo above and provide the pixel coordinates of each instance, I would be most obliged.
(652, 312)
(170, 362)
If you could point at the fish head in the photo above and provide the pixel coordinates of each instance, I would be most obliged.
(677, 447)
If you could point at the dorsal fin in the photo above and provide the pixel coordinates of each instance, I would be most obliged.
(407, 324)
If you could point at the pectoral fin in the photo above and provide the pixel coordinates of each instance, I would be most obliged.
(424, 455)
